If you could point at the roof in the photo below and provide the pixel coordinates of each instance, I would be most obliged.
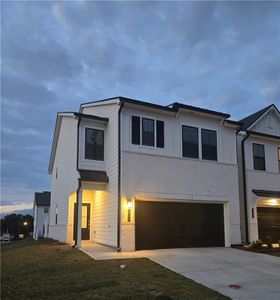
(251, 119)
(269, 194)
(177, 105)
(173, 107)
(96, 176)
(269, 136)
(42, 199)
(92, 117)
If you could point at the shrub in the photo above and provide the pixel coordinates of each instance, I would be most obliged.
(268, 240)
(256, 244)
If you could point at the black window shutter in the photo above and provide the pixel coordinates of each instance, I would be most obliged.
(160, 134)
(135, 121)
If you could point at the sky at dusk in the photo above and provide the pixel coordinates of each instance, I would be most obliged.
(55, 55)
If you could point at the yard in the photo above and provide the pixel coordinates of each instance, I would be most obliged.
(49, 270)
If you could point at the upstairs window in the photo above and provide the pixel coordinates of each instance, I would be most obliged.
(209, 144)
(46, 210)
(259, 157)
(147, 132)
(94, 146)
(190, 141)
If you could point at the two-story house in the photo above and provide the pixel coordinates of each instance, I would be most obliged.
(136, 175)
(41, 214)
(259, 171)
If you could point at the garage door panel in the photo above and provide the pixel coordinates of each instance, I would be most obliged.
(176, 225)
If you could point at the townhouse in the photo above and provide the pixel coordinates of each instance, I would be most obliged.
(135, 175)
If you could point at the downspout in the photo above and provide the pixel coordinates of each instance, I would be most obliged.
(79, 184)
(245, 187)
(119, 178)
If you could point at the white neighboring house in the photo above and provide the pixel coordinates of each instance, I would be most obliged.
(41, 213)
(259, 173)
(136, 175)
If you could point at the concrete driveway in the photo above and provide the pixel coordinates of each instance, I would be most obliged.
(258, 275)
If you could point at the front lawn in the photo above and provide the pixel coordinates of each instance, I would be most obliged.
(49, 270)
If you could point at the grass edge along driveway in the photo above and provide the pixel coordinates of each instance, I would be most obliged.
(47, 269)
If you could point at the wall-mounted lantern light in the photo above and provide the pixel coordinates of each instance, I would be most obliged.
(129, 206)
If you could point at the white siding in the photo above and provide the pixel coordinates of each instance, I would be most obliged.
(226, 143)
(67, 177)
(164, 175)
(40, 219)
(106, 212)
(269, 124)
(271, 154)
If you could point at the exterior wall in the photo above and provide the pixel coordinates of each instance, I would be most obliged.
(271, 154)
(226, 141)
(164, 175)
(40, 219)
(269, 124)
(262, 181)
(64, 178)
(105, 210)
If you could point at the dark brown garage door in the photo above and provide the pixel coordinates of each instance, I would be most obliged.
(161, 225)
(269, 223)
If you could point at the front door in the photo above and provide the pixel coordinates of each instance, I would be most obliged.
(85, 221)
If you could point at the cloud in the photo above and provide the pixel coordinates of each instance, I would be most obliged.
(55, 55)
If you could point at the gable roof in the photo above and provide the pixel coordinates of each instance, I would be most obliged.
(42, 199)
(251, 119)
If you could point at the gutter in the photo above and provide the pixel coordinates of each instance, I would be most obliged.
(79, 184)
(119, 177)
(245, 186)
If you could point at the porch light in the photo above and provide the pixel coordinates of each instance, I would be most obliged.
(273, 202)
(25, 223)
(129, 204)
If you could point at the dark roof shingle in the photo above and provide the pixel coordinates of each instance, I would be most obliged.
(43, 199)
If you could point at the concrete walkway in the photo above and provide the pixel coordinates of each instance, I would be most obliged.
(258, 275)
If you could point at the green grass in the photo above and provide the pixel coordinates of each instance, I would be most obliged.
(49, 270)
(274, 253)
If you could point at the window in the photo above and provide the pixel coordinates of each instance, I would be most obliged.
(46, 210)
(94, 146)
(160, 134)
(148, 132)
(209, 144)
(259, 157)
(135, 121)
(190, 141)
(152, 132)
(279, 159)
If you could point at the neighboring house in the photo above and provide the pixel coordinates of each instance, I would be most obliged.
(136, 175)
(259, 173)
(41, 214)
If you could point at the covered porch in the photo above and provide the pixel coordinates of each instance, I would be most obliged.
(267, 216)
(87, 208)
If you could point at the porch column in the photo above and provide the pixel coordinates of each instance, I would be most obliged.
(79, 217)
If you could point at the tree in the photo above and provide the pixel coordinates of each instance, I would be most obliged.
(16, 224)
